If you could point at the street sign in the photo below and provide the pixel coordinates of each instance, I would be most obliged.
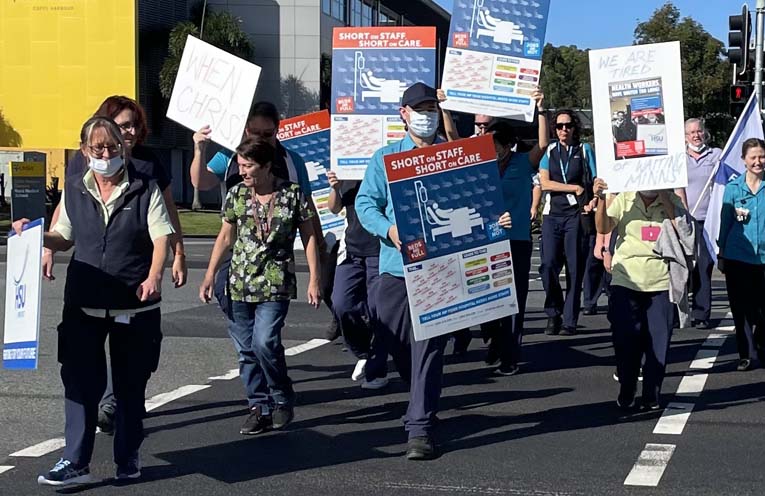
(28, 187)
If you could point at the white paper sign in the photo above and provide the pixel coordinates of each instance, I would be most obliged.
(22, 298)
(213, 88)
(637, 110)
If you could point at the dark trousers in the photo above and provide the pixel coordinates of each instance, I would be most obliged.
(353, 299)
(562, 244)
(420, 363)
(746, 287)
(701, 278)
(134, 352)
(507, 333)
(641, 325)
(594, 276)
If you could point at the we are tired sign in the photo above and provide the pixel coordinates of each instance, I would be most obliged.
(213, 88)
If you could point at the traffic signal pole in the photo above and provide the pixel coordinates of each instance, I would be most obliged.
(759, 38)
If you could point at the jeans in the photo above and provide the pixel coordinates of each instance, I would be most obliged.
(256, 332)
(563, 243)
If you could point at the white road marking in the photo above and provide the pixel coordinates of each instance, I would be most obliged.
(42, 448)
(5, 468)
(673, 419)
(725, 328)
(705, 359)
(715, 341)
(692, 385)
(164, 398)
(650, 466)
(231, 374)
(309, 345)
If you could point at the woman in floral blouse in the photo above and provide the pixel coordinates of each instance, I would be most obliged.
(261, 216)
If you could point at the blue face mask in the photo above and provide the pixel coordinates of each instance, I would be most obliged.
(423, 124)
(106, 167)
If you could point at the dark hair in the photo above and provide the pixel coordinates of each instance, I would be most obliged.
(115, 104)
(751, 143)
(574, 121)
(264, 109)
(257, 150)
(503, 133)
(106, 123)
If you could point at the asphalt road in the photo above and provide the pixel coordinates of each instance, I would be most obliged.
(551, 430)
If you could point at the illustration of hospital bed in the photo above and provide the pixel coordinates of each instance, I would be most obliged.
(387, 90)
(455, 221)
(498, 30)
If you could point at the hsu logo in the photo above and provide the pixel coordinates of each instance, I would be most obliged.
(21, 297)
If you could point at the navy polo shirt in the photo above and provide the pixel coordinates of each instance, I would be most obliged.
(566, 167)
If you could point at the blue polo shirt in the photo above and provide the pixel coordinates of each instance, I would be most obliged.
(743, 241)
(567, 168)
(517, 182)
(374, 206)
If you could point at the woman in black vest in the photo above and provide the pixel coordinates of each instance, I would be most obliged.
(119, 226)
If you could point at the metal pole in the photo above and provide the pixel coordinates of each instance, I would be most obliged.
(758, 46)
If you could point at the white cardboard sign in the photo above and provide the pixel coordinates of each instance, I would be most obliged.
(213, 88)
(637, 110)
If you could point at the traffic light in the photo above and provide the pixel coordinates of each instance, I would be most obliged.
(738, 39)
(739, 95)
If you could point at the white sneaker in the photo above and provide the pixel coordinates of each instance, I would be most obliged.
(378, 383)
(358, 372)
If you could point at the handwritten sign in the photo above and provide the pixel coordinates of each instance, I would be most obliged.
(637, 108)
(213, 88)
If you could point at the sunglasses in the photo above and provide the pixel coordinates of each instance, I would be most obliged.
(564, 125)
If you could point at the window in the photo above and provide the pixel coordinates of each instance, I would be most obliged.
(366, 14)
(326, 7)
(338, 9)
(387, 17)
(355, 19)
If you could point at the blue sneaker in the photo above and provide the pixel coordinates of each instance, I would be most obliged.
(65, 473)
(131, 470)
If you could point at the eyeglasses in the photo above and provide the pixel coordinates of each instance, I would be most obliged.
(564, 125)
(127, 126)
(100, 149)
(482, 124)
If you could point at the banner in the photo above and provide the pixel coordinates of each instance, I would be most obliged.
(371, 68)
(308, 136)
(494, 57)
(213, 88)
(23, 274)
(637, 110)
(457, 261)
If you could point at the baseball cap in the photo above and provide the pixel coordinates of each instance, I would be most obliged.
(418, 93)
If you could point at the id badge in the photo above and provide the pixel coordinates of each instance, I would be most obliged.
(650, 233)
(571, 199)
(546, 209)
(122, 319)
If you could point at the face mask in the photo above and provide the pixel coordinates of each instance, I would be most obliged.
(697, 149)
(423, 124)
(106, 167)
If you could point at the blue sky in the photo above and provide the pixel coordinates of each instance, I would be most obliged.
(611, 23)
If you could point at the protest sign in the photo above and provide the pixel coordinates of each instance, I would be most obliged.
(22, 297)
(213, 88)
(371, 68)
(494, 57)
(637, 110)
(457, 262)
(308, 136)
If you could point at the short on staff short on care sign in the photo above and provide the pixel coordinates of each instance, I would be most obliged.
(457, 261)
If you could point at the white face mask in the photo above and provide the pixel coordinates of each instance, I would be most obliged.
(106, 167)
(423, 124)
(697, 149)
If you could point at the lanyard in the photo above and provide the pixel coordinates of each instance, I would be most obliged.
(263, 224)
(564, 164)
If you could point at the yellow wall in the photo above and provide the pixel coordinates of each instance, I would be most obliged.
(59, 59)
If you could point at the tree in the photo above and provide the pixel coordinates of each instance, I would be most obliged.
(220, 29)
(8, 135)
(566, 77)
(705, 71)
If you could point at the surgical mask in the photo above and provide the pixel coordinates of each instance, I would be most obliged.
(423, 124)
(697, 149)
(106, 167)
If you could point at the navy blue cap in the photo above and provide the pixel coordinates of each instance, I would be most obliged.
(418, 93)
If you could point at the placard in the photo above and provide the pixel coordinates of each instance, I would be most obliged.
(637, 109)
(22, 297)
(494, 57)
(213, 88)
(371, 69)
(308, 136)
(458, 265)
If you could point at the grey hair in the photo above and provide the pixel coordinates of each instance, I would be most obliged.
(102, 123)
(695, 120)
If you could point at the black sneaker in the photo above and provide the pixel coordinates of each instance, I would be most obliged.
(282, 415)
(650, 405)
(568, 331)
(703, 325)
(256, 423)
(420, 448)
(130, 470)
(626, 400)
(744, 364)
(507, 369)
(590, 311)
(553, 326)
(65, 473)
(492, 356)
(105, 420)
(333, 331)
